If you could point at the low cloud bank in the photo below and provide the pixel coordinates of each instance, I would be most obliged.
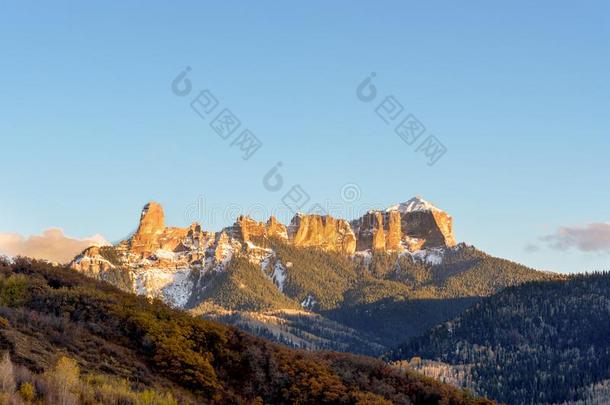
(589, 238)
(52, 245)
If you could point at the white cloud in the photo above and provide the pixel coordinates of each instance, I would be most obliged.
(589, 238)
(52, 245)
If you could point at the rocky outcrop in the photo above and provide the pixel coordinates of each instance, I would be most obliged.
(246, 229)
(413, 225)
(150, 228)
(378, 231)
(276, 229)
(152, 234)
(435, 227)
(324, 232)
(91, 262)
(224, 248)
(171, 263)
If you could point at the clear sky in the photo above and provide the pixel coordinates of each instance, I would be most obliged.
(517, 91)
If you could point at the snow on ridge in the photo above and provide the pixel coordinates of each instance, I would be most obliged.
(413, 205)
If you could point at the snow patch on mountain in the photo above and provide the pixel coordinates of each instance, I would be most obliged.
(279, 275)
(223, 253)
(258, 255)
(165, 254)
(174, 286)
(266, 261)
(413, 205)
(309, 302)
(432, 257)
(85, 260)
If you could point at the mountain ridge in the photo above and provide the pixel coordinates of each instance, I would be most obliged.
(395, 258)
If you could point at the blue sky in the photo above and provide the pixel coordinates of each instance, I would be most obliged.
(517, 92)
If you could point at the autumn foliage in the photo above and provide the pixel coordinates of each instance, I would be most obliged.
(112, 333)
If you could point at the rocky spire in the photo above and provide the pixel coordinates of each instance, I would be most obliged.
(151, 226)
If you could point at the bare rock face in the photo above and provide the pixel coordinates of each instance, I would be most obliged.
(379, 231)
(324, 232)
(246, 228)
(276, 229)
(223, 249)
(195, 235)
(435, 227)
(170, 263)
(153, 235)
(91, 262)
(413, 225)
(157, 261)
(412, 244)
(394, 230)
(152, 225)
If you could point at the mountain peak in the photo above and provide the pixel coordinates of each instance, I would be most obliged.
(411, 225)
(152, 218)
(150, 228)
(152, 215)
(414, 204)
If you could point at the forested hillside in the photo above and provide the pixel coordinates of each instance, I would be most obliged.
(61, 327)
(386, 296)
(541, 342)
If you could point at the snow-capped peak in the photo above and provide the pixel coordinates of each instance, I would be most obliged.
(414, 204)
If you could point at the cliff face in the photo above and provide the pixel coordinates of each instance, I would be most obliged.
(170, 263)
(324, 232)
(167, 262)
(152, 233)
(435, 227)
(379, 231)
(276, 229)
(413, 225)
(246, 228)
